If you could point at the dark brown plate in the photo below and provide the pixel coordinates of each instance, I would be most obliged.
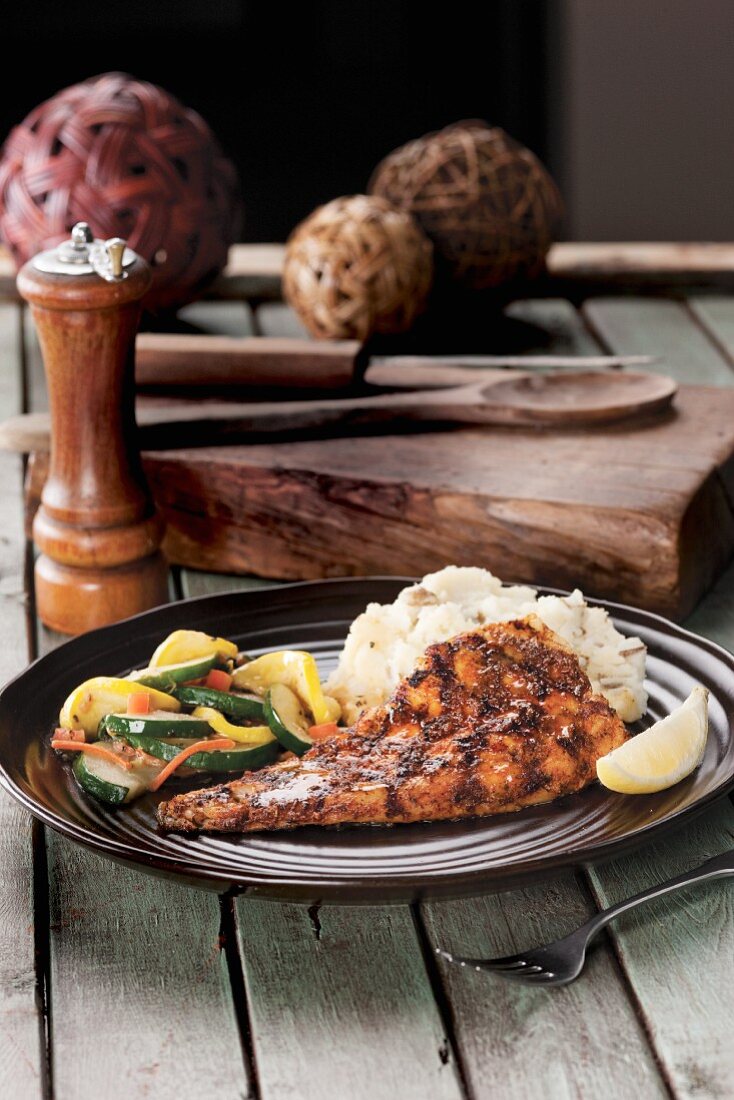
(352, 864)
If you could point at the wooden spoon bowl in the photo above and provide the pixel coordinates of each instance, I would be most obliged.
(571, 397)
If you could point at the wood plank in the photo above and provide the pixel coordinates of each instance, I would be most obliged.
(344, 976)
(341, 1005)
(195, 583)
(715, 315)
(22, 1054)
(714, 616)
(222, 318)
(22, 1049)
(654, 326)
(535, 1042)
(651, 264)
(141, 960)
(37, 395)
(677, 953)
(672, 950)
(278, 319)
(559, 325)
(147, 955)
(8, 292)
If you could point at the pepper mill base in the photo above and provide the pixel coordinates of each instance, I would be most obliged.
(72, 600)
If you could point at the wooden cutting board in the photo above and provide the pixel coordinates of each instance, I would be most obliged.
(639, 512)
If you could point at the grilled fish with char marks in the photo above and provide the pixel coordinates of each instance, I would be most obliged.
(491, 721)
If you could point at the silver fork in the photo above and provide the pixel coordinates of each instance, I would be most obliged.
(563, 960)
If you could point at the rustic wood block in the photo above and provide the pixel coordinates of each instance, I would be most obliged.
(637, 512)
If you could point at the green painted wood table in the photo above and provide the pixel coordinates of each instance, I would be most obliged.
(116, 984)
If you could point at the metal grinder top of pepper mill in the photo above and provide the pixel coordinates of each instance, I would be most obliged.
(97, 529)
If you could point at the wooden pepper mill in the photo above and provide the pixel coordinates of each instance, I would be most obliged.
(97, 527)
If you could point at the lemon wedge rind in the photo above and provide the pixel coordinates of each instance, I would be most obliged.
(662, 755)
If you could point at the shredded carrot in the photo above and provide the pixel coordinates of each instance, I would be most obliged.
(190, 750)
(93, 750)
(219, 680)
(138, 703)
(69, 735)
(322, 731)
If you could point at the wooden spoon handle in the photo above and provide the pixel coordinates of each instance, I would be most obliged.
(165, 425)
(555, 401)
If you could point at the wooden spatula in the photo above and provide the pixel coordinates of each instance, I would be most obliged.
(563, 399)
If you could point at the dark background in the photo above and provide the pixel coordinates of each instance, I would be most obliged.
(629, 102)
(305, 98)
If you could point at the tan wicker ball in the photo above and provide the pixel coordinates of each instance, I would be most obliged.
(487, 203)
(357, 267)
(130, 160)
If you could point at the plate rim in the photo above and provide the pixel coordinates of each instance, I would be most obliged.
(368, 889)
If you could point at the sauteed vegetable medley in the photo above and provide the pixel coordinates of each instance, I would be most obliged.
(199, 707)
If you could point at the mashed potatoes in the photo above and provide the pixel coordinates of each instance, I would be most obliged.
(386, 641)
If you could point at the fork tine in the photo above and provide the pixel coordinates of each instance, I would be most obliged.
(515, 968)
(462, 960)
(526, 968)
(508, 965)
(536, 976)
(477, 964)
(511, 963)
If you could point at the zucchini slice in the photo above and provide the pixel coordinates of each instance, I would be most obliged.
(111, 783)
(165, 677)
(89, 703)
(296, 669)
(240, 759)
(159, 723)
(226, 702)
(287, 719)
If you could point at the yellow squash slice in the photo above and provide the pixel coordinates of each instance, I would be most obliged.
(244, 735)
(297, 670)
(185, 645)
(89, 703)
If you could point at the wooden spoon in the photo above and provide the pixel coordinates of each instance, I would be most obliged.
(561, 399)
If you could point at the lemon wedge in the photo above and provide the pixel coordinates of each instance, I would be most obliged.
(185, 645)
(662, 755)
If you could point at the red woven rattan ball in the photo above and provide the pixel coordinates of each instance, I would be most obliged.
(356, 267)
(487, 203)
(130, 160)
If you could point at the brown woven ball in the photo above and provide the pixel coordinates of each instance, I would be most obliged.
(130, 160)
(357, 267)
(487, 203)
